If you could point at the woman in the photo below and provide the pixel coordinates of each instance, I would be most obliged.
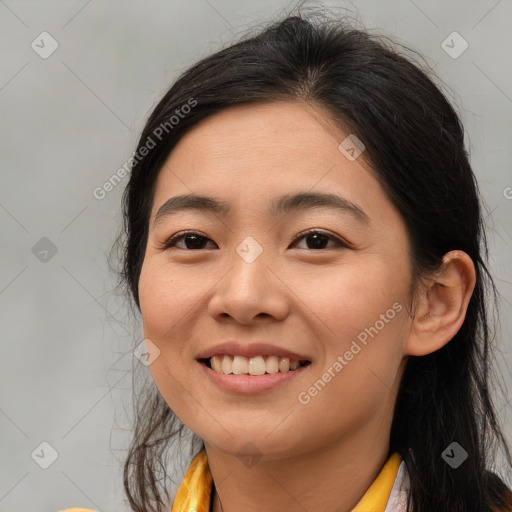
(303, 238)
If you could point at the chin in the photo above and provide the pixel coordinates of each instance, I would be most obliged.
(252, 446)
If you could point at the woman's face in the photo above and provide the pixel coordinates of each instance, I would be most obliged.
(337, 297)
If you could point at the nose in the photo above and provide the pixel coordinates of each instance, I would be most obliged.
(251, 290)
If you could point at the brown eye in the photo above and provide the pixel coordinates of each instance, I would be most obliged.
(193, 240)
(317, 239)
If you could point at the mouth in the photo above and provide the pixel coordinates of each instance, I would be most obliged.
(227, 364)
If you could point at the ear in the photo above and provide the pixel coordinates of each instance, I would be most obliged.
(441, 305)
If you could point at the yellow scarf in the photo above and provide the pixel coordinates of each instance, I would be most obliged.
(194, 491)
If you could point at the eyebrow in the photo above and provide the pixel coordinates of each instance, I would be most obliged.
(282, 205)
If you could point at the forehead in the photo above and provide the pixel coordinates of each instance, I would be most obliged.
(280, 133)
(250, 154)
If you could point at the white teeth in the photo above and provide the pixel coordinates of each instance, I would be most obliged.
(241, 365)
(272, 363)
(284, 364)
(257, 365)
(216, 363)
(227, 365)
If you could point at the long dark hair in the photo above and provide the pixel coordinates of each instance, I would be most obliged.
(415, 142)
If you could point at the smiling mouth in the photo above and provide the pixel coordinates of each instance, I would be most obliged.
(255, 366)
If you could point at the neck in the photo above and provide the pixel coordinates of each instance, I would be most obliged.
(334, 477)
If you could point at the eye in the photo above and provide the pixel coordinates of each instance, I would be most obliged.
(194, 240)
(317, 239)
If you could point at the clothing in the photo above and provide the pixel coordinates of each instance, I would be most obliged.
(387, 493)
(78, 510)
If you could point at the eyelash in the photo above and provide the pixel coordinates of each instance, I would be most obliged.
(171, 242)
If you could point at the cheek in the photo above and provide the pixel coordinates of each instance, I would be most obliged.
(358, 315)
(164, 300)
(358, 380)
(345, 299)
(173, 302)
(163, 305)
(176, 387)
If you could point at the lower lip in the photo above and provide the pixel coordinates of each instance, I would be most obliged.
(248, 384)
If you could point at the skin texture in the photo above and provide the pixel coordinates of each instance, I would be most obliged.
(324, 454)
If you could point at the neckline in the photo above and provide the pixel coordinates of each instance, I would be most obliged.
(197, 490)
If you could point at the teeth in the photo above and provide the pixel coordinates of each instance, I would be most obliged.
(227, 365)
(272, 364)
(284, 364)
(294, 365)
(257, 365)
(241, 365)
(216, 363)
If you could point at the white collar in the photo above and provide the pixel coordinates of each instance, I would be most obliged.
(397, 501)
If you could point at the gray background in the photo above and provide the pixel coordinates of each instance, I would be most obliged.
(69, 121)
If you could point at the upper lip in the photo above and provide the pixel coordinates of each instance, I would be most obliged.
(250, 350)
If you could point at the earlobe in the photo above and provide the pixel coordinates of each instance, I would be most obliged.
(442, 304)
